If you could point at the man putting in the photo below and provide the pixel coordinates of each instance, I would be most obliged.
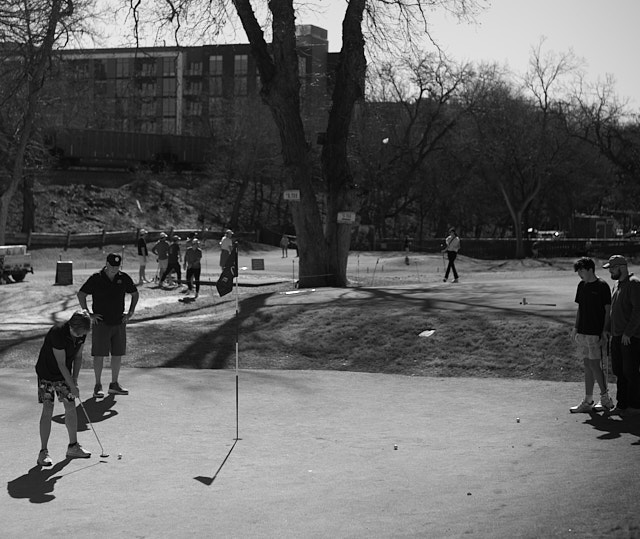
(109, 321)
(592, 317)
(58, 366)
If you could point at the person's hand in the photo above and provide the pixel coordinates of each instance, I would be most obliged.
(75, 391)
(574, 333)
(95, 318)
(626, 340)
(126, 317)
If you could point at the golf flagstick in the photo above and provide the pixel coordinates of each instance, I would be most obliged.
(237, 337)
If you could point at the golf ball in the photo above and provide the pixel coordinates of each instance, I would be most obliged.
(395, 446)
(119, 456)
(517, 420)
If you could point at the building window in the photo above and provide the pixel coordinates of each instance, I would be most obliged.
(123, 67)
(168, 125)
(193, 88)
(146, 68)
(195, 68)
(240, 86)
(215, 86)
(168, 67)
(216, 106)
(215, 65)
(168, 106)
(169, 86)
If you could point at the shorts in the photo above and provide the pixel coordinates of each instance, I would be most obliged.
(589, 346)
(162, 265)
(108, 340)
(47, 391)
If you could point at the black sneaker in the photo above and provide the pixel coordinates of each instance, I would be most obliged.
(116, 389)
(97, 391)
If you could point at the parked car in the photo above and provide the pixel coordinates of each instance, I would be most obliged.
(15, 262)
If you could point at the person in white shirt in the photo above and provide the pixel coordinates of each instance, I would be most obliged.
(452, 247)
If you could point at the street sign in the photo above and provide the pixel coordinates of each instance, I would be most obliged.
(346, 217)
(292, 194)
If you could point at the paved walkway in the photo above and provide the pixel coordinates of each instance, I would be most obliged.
(316, 459)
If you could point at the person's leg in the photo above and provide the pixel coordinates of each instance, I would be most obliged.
(98, 364)
(45, 423)
(631, 372)
(616, 368)
(452, 262)
(196, 275)
(189, 279)
(71, 420)
(118, 349)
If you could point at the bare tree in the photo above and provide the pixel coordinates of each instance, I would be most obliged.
(29, 30)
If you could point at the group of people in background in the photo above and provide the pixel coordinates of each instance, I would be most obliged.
(171, 260)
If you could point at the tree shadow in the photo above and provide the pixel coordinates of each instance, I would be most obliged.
(98, 410)
(614, 427)
(37, 484)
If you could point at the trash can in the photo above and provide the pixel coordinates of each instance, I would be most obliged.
(64, 272)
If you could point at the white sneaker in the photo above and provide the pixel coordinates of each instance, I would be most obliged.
(605, 404)
(75, 451)
(44, 459)
(583, 408)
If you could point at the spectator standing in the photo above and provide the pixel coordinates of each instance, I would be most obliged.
(192, 258)
(108, 289)
(58, 366)
(161, 250)
(174, 259)
(593, 297)
(625, 336)
(284, 245)
(226, 243)
(452, 246)
(143, 254)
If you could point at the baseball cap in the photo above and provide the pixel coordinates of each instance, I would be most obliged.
(143, 231)
(114, 259)
(163, 235)
(615, 260)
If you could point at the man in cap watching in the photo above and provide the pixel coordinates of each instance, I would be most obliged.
(625, 336)
(109, 320)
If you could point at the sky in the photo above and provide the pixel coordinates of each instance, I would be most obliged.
(604, 33)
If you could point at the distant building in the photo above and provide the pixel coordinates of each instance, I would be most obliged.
(179, 90)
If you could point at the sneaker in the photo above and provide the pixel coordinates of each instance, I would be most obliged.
(455, 280)
(583, 408)
(97, 391)
(444, 280)
(605, 404)
(615, 411)
(75, 451)
(116, 389)
(44, 459)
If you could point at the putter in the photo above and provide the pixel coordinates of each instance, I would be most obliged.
(525, 302)
(103, 454)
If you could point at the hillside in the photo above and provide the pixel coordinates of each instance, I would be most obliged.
(91, 202)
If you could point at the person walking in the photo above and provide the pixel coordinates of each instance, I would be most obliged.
(173, 262)
(108, 289)
(161, 250)
(226, 243)
(58, 367)
(593, 297)
(452, 246)
(143, 254)
(625, 336)
(192, 258)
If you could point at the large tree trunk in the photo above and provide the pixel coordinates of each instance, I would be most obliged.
(323, 252)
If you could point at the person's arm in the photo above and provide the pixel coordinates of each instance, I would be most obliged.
(574, 331)
(132, 307)
(633, 325)
(68, 378)
(82, 300)
(77, 364)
